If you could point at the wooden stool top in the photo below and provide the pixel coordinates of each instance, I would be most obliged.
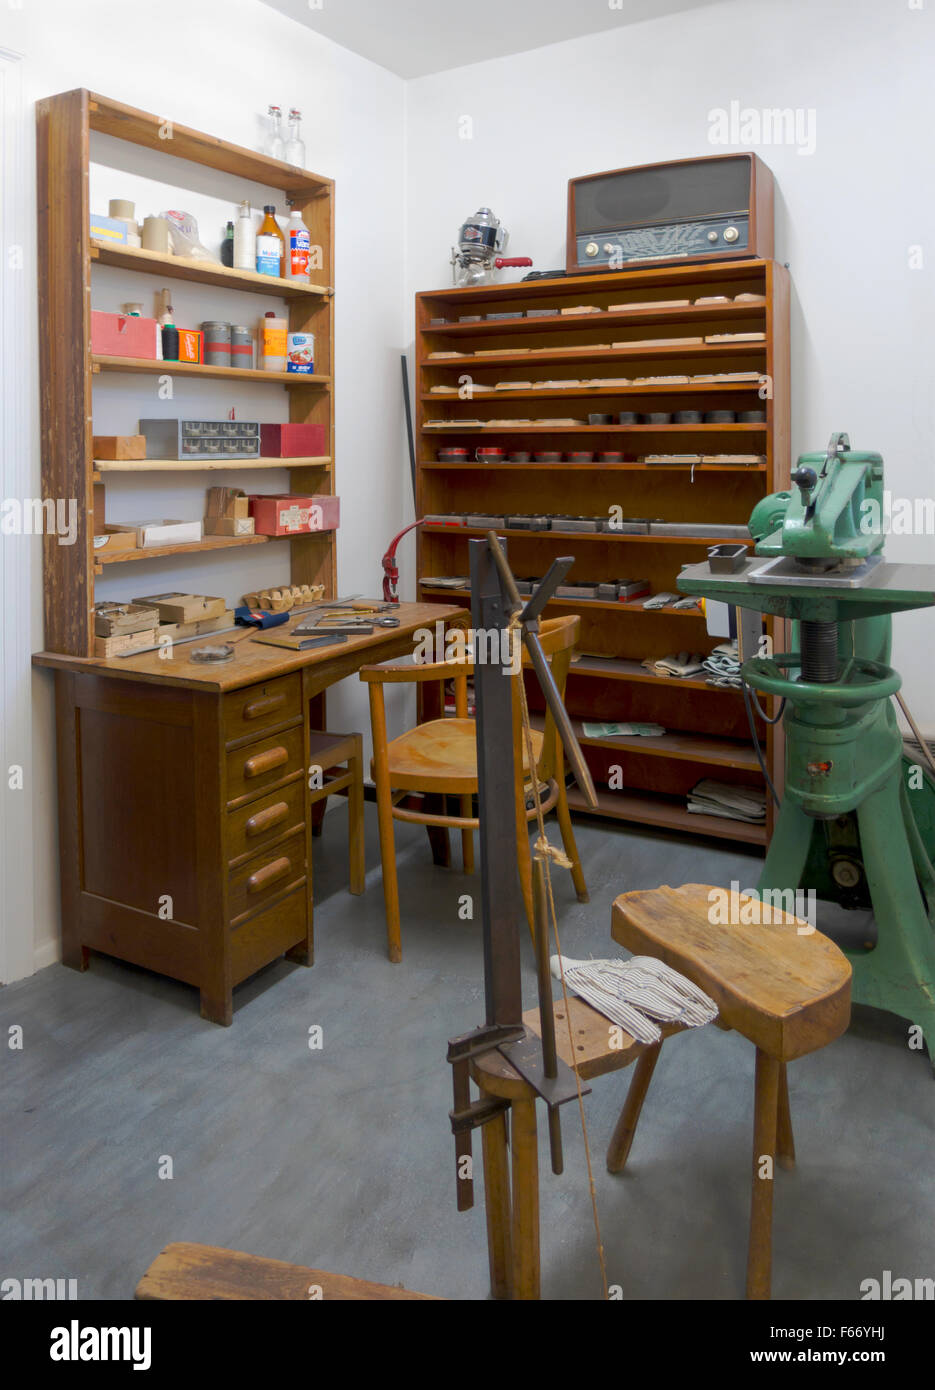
(593, 1034)
(789, 993)
(201, 1272)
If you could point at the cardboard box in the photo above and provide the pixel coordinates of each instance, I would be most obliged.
(152, 534)
(227, 512)
(119, 335)
(119, 446)
(191, 344)
(112, 538)
(108, 229)
(184, 608)
(293, 441)
(289, 515)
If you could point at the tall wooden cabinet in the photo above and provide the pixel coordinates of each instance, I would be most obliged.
(628, 337)
(68, 366)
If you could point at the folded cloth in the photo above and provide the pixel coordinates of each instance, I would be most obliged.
(660, 600)
(723, 666)
(680, 664)
(727, 799)
(634, 992)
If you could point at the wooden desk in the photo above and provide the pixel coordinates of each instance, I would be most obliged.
(184, 830)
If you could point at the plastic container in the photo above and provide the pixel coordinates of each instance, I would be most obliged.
(300, 353)
(273, 339)
(244, 238)
(298, 248)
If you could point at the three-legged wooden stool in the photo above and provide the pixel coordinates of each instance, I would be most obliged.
(341, 760)
(788, 992)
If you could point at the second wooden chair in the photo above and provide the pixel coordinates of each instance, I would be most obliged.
(439, 759)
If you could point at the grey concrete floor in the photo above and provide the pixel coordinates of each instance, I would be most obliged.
(341, 1158)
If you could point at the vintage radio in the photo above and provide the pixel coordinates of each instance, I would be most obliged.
(715, 208)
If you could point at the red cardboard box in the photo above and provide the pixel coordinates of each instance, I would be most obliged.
(285, 514)
(117, 335)
(292, 441)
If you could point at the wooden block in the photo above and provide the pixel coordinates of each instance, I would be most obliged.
(114, 619)
(119, 446)
(184, 608)
(196, 1273)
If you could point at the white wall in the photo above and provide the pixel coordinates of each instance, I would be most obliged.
(214, 65)
(846, 216)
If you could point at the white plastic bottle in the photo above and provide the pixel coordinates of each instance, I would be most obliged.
(298, 248)
(245, 238)
(273, 334)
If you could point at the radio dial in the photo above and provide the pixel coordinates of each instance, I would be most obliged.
(609, 248)
(712, 236)
(731, 234)
(591, 249)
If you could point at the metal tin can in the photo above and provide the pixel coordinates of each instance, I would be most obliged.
(241, 346)
(217, 346)
(300, 353)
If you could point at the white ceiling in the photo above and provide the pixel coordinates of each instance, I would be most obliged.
(416, 37)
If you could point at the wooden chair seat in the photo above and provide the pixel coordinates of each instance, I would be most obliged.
(441, 756)
(788, 992)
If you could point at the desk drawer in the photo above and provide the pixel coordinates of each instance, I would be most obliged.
(248, 712)
(252, 827)
(266, 875)
(269, 934)
(259, 766)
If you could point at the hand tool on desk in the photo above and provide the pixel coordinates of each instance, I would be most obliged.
(857, 823)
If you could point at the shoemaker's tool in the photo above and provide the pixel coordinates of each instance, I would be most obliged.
(477, 256)
(496, 605)
(857, 823)
(391, 568)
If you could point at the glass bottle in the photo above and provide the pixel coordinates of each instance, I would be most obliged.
(227, 246)
(274, 146)
(270, 245)
(295, 146)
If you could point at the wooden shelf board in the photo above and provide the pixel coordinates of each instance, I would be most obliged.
(100, 363)
(518, 428)
(532, 466)
(205, 272)
(667, 813)
(127, 123)
(578, 287)
(579, 536)
(556, 322)
(597, 393)
(619, 669)
(621, 354)
(693, 748)
(583, 604)
(158, 552)
(202, 465)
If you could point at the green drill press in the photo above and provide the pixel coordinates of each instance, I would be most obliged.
(857, 821)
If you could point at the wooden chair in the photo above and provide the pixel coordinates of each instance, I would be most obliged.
(439, 759)
(788, 993)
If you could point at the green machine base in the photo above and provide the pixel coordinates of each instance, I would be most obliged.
(857, 821)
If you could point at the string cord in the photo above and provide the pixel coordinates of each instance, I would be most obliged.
(546, 852)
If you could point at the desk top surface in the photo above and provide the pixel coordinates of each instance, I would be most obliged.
(253, 661)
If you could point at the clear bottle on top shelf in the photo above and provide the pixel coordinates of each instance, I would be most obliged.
(274, 146)
(295, 146)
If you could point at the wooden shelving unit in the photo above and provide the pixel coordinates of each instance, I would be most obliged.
(68, 367)
(707, 731)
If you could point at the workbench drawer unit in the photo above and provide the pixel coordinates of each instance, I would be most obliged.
(184, 828)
